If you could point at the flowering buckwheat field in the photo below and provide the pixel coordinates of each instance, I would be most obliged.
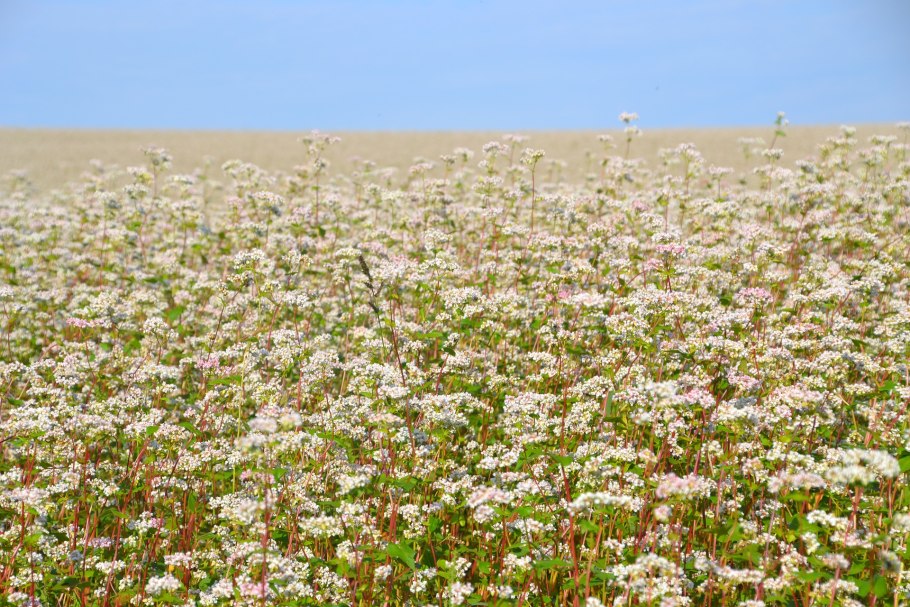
(473, 382)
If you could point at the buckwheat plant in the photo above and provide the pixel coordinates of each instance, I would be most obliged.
(467, 383)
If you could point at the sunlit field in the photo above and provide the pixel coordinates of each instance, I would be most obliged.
(52, 158)
(559, 370)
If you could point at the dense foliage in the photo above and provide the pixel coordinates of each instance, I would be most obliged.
(468, 383)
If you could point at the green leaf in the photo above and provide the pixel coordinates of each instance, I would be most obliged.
(434, 524)
(431, 335)
(170, 599)
(562, 460)
(230, 379)
(71, 582)
(609, 409)
(795, 497)
(189, 426)
(904, 463)
(174, 313)
(407, 483)
(810, 576)
(547, 564)
(524, 511)
(403, 553)
(880, 586)
(589, 526)
(131, 346)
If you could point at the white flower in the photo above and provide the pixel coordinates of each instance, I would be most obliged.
(165, 583)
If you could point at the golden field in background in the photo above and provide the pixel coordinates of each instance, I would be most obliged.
(53, 157)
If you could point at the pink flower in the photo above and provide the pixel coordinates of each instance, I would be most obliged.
(208, 362)
(653, 264)
(755, 296)
(674, 250)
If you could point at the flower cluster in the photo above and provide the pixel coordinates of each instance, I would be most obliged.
(469, 382)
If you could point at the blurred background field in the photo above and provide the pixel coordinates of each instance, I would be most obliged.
(55, 157)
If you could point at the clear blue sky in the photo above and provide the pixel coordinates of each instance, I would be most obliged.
(451, 64)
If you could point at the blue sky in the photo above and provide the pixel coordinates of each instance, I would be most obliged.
(451, 65)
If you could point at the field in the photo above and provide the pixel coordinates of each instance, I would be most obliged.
(53, 158)
(648, 373)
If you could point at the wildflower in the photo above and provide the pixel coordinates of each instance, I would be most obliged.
(684, 381)
(382, 573)
(861, 466)
(458, 592)
(165, 583)
(688, 486)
